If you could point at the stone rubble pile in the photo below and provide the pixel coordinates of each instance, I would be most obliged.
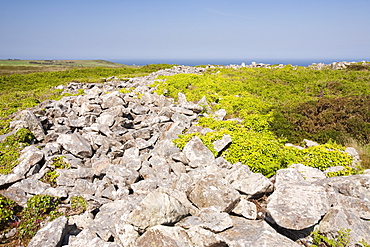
(143, 191)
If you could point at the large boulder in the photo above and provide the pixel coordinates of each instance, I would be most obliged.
(214, 191)
(164, 236)
(76, 145)
(157, 208)
(297, 206)
(254, 233)
(337, 220)
(51, 235)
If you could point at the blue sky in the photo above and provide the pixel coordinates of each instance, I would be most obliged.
(171, 29)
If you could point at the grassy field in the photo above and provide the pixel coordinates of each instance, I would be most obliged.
(12, 66)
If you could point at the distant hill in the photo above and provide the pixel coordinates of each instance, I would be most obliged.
(16, 66)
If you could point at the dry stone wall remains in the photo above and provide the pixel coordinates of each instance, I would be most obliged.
(143, 191)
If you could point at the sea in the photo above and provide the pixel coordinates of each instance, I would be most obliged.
(194, 62)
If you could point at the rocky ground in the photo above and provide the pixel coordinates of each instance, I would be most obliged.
(143, 191)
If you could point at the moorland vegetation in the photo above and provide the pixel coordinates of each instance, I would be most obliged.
(266, 108)
(269, 107)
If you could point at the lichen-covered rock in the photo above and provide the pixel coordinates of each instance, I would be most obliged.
(157, 208)
(214, 191)
(253, 185)
(50, 235)
(340, 220)
(76, 145)
(297, 206)
(164, 236)
(197, 153)
(246, 209)
(254, 233)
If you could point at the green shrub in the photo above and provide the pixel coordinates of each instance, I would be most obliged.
(10, 147)
(78, 203)
(254, 145)
(6, 211)
(51, 176)
(341, 240)
(39, 208)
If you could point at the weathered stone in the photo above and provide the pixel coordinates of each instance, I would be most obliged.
(220, 114)
(75, 144)
(340, 219)
(164, 236)
(144, 133)
(356, 185)
(196, 152)
(254, 185)
(182, 119)
(361, 208)
(33, 124)
(213, 191)
(67, 177)
(30, 156)
(157, 208)
(254, 233)
(127, 235)
(310, 174)
(89, 238)
(121, 176)
(310, 143)
(105, 119)
(16, 194)
(110, 100)
(297, 206)
(288, 176)
(214, 220)
(201, 237)
(50, 235)
(246, 209)
(221, 144)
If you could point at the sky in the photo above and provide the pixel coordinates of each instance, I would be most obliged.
(172, 29)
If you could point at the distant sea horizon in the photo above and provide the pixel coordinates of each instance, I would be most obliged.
(194, 62)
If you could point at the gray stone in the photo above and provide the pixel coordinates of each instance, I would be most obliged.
(221, 144)
(50, 235)
(309, 143)
(75, 144)
(89, 238)
(33, 124)
(121, 176)
(254, 233)
(254, 185)
(30, 156)
(359, 207)
(196, 152)
(340, 219)
(105, 119)
(157, 208)
(220, 114)
(246, 209)
(214, 191)
(110, 100)
(297, 206)
(214, 220)
(355, 185)
(164, 236)
(201, 237)
(127, 235)
(288, 176)
(310, 174)
(67, 177)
